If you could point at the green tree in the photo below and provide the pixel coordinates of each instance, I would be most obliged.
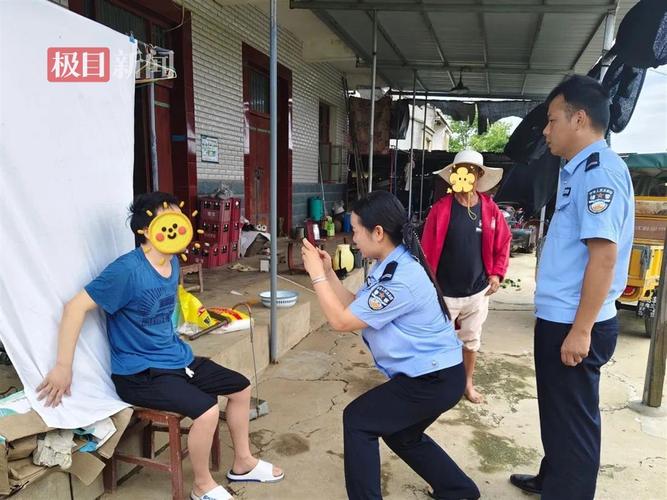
(465, 136)
(494, 140)
(462, 132)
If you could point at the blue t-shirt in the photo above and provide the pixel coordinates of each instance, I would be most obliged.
(139, 303)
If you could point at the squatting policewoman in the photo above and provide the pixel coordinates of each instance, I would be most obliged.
(582, 271)
(407, 329)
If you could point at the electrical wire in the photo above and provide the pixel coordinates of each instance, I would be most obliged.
(182, 19)
(252, 347)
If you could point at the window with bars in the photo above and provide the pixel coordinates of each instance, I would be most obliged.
(259, 92)
(333, 163)
(124, 21)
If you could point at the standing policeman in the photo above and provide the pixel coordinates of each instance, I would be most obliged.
(582, 271)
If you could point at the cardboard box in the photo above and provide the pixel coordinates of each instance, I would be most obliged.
(20, 432)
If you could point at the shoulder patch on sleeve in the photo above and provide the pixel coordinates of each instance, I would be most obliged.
(389, 271)
(380, 298)
(599, 199)
(592, 161)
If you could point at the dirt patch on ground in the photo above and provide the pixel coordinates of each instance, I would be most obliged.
(508, 378)
(290, 444)
(498, 453)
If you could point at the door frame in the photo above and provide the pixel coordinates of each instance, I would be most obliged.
(257, 60)
(167, 13)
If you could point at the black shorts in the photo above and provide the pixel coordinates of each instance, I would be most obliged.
(174, 390)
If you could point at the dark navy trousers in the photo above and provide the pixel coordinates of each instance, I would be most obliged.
(399, 411)
(568, 400)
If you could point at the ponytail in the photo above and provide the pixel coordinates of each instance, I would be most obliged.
(411, 241)
(380, 208)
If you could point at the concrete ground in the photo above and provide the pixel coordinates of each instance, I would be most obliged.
(311, 385)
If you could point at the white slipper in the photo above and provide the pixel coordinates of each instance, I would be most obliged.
(262, 473)
(217, 493)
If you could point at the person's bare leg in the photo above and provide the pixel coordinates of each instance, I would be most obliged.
(238, 421)
(471, 394)
(200, 439)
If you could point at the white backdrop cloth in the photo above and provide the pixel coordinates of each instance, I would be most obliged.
(66, 161)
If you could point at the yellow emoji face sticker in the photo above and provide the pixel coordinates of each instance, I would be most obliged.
(462, 181)
(170, 232)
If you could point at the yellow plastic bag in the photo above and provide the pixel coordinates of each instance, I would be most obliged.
(192, 310)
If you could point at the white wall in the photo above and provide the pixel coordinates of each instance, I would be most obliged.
(218, 33)
(436, 135)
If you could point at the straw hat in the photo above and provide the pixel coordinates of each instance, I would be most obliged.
(487, 181)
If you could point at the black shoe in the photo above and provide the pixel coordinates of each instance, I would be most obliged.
(527, 483)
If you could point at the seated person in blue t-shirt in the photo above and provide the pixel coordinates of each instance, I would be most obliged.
(151, 367)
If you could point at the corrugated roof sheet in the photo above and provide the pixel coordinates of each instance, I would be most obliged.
(524, 51)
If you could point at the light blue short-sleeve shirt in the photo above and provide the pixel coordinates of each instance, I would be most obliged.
(407, 332)
(595, 199)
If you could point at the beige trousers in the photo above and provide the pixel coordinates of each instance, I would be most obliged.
(469, 315)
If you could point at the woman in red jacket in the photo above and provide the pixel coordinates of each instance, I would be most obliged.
(466, 241)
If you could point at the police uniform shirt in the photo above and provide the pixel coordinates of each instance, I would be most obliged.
(407, 331)
(595, 200)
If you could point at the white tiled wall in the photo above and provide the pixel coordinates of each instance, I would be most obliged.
(217, 36)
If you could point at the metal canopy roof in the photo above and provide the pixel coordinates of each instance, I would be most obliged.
(504, 48)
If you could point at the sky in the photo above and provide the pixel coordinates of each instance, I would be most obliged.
(647, 130)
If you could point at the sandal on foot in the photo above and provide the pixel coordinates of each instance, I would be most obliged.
(217, 493)
(262, 473)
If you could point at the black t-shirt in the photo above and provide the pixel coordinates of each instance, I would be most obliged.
(461, 269)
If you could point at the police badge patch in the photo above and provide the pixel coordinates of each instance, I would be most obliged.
(380, 298)
(599, 199)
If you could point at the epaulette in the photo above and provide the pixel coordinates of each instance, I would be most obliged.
(593, 161)
(389, 271)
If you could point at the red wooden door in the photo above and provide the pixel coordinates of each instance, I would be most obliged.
(257, 161)
(163, 139)
(257, 171)
(257, 157)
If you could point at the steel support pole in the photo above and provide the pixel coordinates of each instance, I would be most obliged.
(273, 217)
(153, 137)
(408, 181)
(607, 41)
(371, 142)
(394, 165)
(421, 185)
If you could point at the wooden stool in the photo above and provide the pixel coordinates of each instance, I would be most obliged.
(191, 269)
(160, 421)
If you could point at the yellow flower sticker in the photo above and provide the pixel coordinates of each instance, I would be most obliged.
(462, 180)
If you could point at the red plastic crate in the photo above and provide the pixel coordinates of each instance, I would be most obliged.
(226, 209)
(236, 209)
(218, 210)
(193, 254)
(235, 231)
(209, 209)
(211, 256)
(223, 255)
(215, 232)
(233, 251)
(217, 238)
